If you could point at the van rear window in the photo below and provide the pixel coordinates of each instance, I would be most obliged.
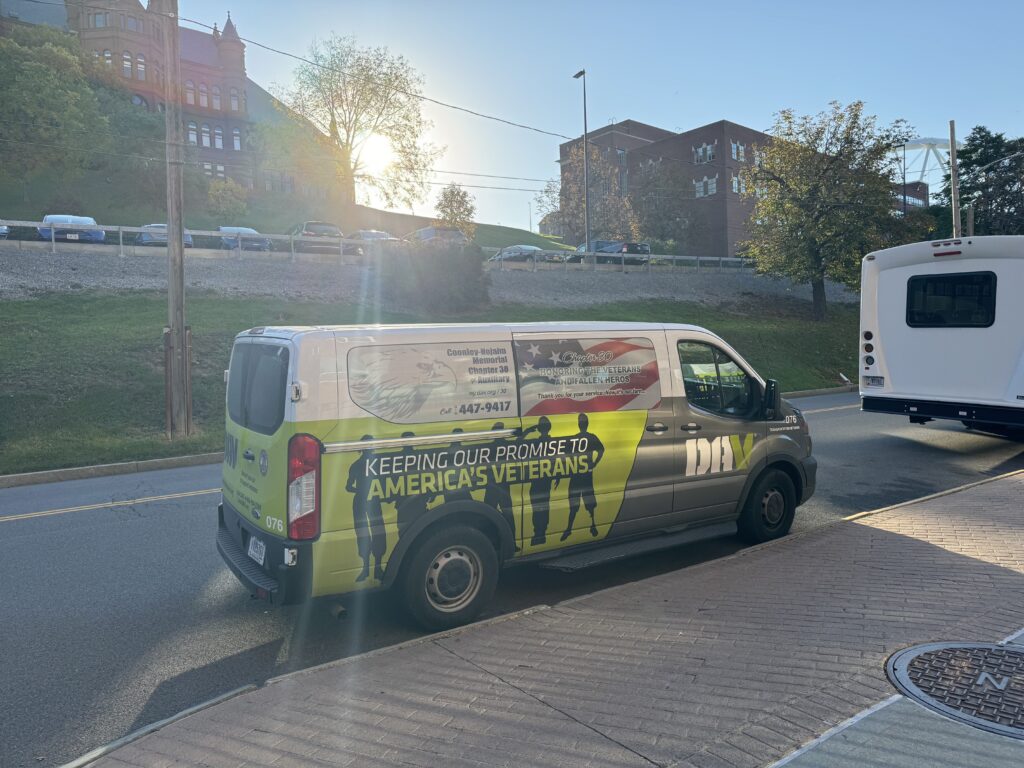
(958, 300)
(257, 383)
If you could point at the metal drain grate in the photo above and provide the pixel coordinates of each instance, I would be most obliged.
(978, 684)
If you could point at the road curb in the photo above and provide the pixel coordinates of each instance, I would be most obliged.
(824, 391)
(104, 470)
(106, 749)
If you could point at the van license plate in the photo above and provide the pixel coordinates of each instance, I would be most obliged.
(257, 550)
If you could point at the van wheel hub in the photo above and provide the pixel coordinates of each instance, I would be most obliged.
(773, 507)
(453, 579)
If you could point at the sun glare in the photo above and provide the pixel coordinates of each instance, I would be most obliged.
(377, 155)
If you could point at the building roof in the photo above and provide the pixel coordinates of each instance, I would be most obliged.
(262, 106)
(198, 47)
(230, 33)
(49, 14)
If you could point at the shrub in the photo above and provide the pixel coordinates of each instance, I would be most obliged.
(226, 200)
(438, 279)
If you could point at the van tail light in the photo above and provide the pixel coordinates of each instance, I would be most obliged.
(304, 487)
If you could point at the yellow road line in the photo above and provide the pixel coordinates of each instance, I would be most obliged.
(836, 408)
(108, 505)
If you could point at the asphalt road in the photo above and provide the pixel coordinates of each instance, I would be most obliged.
(118, 615)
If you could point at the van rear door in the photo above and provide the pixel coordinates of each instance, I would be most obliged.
(256, 440)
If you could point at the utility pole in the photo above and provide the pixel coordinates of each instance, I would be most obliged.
(954, 179)
(177, 373)
(586, 164)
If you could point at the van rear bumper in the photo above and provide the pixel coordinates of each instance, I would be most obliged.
(273, 581)
(934, 409)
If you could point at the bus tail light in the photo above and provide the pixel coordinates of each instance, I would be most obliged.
(303, 487)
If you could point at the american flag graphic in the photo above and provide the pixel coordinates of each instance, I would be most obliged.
(587, 375)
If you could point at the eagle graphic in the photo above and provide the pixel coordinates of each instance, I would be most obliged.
(395, 383)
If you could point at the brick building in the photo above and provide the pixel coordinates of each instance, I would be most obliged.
(709, 157)
(220, 104)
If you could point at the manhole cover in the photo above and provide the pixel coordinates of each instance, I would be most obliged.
(978, 684)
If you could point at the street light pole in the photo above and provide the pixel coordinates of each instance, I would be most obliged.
(586, 164)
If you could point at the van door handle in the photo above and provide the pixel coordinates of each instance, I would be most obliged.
(657, 427)
(691, 427)
(249, 456)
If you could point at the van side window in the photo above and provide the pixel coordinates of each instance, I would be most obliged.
(424, 383)
(257, 384)
(714, 382)
(961, 300)
(586, 375)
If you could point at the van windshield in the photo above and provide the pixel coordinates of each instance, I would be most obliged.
(257, 380)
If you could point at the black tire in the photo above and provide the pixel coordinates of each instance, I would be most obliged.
(770, 508)
(457, 598)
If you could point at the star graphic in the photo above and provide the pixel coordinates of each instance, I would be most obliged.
(554, 358)
(533, 350)
(529, 366)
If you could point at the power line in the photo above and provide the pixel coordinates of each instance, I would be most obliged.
(411, 94)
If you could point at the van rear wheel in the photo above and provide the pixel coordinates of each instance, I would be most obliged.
(770, 508)
(450, 577)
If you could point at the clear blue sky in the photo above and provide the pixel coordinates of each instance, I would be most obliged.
(677, 65)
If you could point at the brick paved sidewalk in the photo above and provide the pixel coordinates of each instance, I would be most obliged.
(732, 663)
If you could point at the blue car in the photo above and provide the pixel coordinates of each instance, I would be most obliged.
(73, 234)
(156, 234)
(4, 231)
(251, 239)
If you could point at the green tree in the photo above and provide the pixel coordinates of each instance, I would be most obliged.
(823, 191)
(659, 192)
(991, 181)
(353, 94)
(455, 208)
(51, 117)
(227, 200)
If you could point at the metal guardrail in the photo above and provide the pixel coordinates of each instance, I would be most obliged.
(324, 244)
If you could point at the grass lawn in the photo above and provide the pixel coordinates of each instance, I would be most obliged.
(82, 378)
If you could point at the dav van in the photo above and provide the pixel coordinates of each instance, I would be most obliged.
(427, 458)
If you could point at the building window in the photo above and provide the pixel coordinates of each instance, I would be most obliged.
(743, 186)
(713, 184)
(139, 101)
(711, 152)
(220, 172)
(698, 188)
(218, 137)
(204, 100)
(108, 59)
(735, 183)
(101, 20)
(215, 93)
(134, 25)
(236, 139)
(126, 64)
(208, 169)
(206, 135)
(190, 92)
(742, 153)
(234, 99)
(193, 134)
(140, 67)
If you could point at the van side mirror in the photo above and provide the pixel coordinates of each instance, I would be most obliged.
(772, 400)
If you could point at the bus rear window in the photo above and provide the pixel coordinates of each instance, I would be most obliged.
(257, 382)
(959, 300)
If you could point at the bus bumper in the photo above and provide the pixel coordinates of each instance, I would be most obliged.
(924, 410)
(274, 581)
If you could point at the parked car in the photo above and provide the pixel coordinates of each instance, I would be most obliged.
(4, 231)
(439, 236)
(636, 253)
(372, 234)
(519, 253)
(65, 233)
(316, 236)
(156, 234)
(251, 239)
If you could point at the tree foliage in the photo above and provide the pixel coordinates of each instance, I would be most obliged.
(51, 115)
(611, 213)
(455, 208)
(227, 200)
(659, 192)
(352, 94)
(823, 191)
(991, 181)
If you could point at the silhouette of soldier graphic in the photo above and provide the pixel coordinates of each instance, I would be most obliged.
(540, 488)
(410, 508)
(499, 497)
(371, 538)
(581, 484)
(459, 494)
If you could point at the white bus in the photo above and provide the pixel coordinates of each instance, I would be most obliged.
(942, 332)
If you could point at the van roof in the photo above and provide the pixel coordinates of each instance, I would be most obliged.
(435, 328)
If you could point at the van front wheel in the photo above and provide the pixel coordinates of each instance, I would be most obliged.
(450, 578)
(770, 508)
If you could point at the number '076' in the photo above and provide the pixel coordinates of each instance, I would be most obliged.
(274, 524)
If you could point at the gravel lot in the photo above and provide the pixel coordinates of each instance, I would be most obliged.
(25, 273)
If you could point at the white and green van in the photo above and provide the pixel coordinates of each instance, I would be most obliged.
(428, 457)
